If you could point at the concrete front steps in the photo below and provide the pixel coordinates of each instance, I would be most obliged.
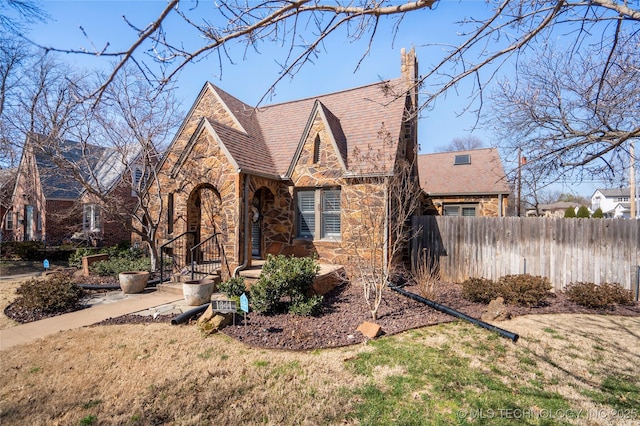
(175, 285)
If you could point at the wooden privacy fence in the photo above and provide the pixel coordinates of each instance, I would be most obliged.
(563, 250)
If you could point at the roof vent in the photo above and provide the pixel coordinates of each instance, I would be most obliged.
(462, 159)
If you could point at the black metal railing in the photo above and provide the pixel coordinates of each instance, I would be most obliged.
(206, 257)
(174, 255)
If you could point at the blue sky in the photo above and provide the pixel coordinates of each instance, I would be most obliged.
(252, 74)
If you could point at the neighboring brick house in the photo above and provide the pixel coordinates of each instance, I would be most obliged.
(288, 178)
(49, 205)
(465, 183)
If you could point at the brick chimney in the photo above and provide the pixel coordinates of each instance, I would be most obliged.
(409, 73)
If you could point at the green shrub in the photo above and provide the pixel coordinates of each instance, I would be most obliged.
(524, 289)
(570, 212)
(75, 260)
(57, 294)
(233, 287)
(603, 296)
(311, 307)
(30, 250)
(285, 285)
(480, 290)
(121, 251)
(583, 212)
(598, 214)
(114, 266)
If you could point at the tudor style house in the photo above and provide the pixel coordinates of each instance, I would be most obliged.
(464, 183)
(49, 205)
(290, 178)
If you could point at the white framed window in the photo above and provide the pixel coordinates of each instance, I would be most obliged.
(306, 214)
(91, 218)
(459, 210)
(318, 213)
(8, 221)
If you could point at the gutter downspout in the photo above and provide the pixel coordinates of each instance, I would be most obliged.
(387, 238)
(245, 261)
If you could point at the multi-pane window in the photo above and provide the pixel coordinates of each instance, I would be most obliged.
(9, 221)
(306, 220)
(330, 213)
(458, 210)
(318, 213)
(91, 218)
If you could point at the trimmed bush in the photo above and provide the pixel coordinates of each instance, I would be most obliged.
(603, 296)
(520, 289)
(524, 289)
(233, 287)
(583, 212)
(75, 259)
(285, 286)
(570, 212)
(57, 294)
(598, 214)
(480, 290)
(114, 266)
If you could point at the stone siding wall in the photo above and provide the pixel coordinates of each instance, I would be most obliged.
(487, 205)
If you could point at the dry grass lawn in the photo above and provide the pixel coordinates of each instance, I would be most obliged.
(162, 374)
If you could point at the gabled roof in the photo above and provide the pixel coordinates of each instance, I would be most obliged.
(338, 140)
(439, 176)
(98, 165)
(614, 192)
(266, 140)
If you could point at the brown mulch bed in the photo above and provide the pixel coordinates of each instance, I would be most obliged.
(345, 309)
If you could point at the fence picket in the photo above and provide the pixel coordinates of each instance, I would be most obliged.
(564, 250)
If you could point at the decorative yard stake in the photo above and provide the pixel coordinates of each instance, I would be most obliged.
(244, 306)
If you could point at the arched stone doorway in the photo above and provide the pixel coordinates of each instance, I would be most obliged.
(204, 213)
(261, 209)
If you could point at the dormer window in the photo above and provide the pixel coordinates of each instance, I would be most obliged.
(462, 159)
(316, 150)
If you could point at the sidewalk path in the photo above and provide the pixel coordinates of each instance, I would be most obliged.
(32, 331)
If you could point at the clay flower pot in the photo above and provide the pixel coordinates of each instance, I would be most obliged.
(133, 282)
(198, 292)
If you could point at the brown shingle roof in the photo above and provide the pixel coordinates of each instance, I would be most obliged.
(485, 174)
(274, 132)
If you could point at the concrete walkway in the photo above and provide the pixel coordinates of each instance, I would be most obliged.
(108, 305)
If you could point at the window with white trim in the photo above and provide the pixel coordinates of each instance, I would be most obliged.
(9, 221)
(318, 213)
(91, 218)
(459, 210)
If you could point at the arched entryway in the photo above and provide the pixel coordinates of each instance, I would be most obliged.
(204, 213)
(261, 207)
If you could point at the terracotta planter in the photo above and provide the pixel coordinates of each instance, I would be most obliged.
(133, 282)
(198, 292)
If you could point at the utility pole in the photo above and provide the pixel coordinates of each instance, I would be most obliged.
(519, 181)
(632, 180)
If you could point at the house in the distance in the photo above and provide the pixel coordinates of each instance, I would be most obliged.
(614, 202)
(465, 183)
(557, 209)
(48, 204)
